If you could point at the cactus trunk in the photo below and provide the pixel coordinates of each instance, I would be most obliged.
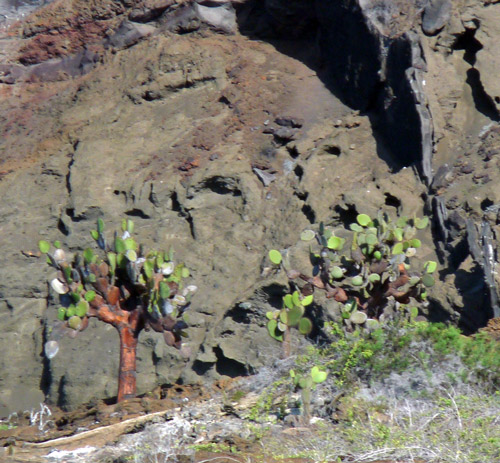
(127, 374)
(287, 343)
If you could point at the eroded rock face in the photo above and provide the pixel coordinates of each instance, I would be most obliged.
(224, 147)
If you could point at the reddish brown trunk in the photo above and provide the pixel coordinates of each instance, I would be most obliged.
(127, 374)
(128, 325)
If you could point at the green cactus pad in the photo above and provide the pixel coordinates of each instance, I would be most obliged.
(89, 296)
(355, 227)
(130, 226)
(415, 243)
(130, 244)
(120, 247)
(374, 277)
(57, 244)
(401, 222)
(428, 280)
(345, 314)
(88, 256)
(363, 219)
(284, 317)
(307, 300)
(288, 301)
(317, 375)
(361, 239)
(413, 312)
(275, 256)
(430, 266)
(81, 308)
(398, 234)
(397, 248)
(148, 268)
(335, 243)
(164, 290)
(44, 246)
(271, 315)
(377, 255)
(421, 223)
(71, 311)
(100, 226)
(296, 298)
(112, 261)
(131, 255)
(305, 382)
(358, 317)
(357, 280)
(75, 322)
(371, 239)
(414, 280)
(336, 272)
(61, 313)
(68, 274)
(185, 272)
(294, 315)
(307, 235)
(305, 326)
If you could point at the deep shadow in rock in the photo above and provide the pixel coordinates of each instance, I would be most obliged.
(476, 309)
(46, 379)
(61, 393)
(201, 368)
(482, 101)
(229, 367)
(333, 39)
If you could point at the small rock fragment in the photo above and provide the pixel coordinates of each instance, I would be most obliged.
(129, 34)
(285, 133)
(435, 16)
(286, 121)
(265, 177)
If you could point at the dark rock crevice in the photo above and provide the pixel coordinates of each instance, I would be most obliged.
(46, 379)
(468, 43)
(229, 367)
(483, 102)
(181, 210)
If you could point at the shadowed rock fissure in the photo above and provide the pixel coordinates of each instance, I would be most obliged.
(470, 45)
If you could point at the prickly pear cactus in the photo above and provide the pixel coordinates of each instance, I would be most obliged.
(290, 316)
(378, 270)
(120, 277)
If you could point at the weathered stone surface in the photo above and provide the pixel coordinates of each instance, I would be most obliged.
(148, 10)
(435, 16)
(487, 60)
(128, 34)
(220, 16)
(22, 343)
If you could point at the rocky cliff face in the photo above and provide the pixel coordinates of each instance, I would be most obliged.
(225, 129)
